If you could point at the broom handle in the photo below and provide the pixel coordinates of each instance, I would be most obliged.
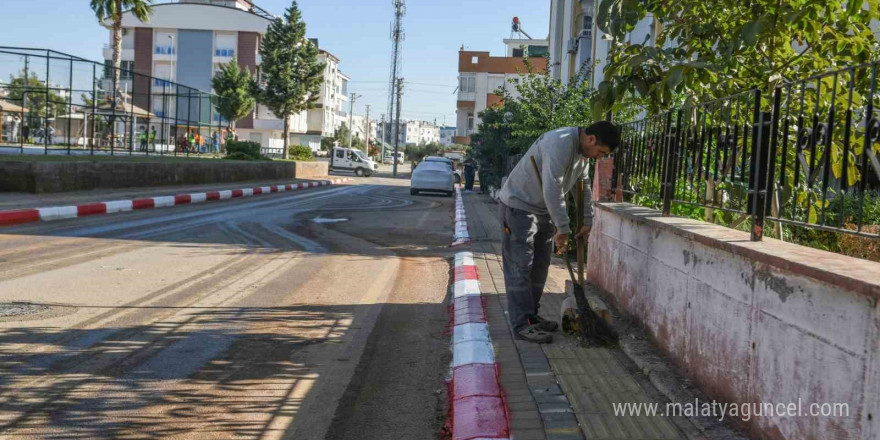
(579, 201)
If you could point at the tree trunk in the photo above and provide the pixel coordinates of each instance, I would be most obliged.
(117, 43)
(286, 136)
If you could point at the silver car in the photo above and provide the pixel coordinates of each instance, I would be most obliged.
(432, 176)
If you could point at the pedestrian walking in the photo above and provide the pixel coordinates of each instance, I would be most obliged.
(470, 171)
(530, 210)
(153, 138)
(215, 141)
(16, 121)
(142, 139)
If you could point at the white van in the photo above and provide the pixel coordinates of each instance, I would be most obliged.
(389, 157)
(351, 159)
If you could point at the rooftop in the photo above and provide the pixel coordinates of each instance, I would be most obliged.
(244, 5)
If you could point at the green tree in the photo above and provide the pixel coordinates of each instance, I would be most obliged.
(32, 92)
(111, 10)
(541, 104)
(707, 50)
(233, 87)
(291, 75)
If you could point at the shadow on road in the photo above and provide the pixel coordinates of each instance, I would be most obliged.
(229, 372)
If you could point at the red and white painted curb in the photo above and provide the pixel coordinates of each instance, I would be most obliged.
(478, 406)
(461, 235)
(14, 217)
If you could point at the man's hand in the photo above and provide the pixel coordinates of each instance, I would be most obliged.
(584, 233)
(561, 241)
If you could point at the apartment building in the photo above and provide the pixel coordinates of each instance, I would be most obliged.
(480, 75)
(446, 135)
(412, 132)
(188, 41)
(331, 110)
(575, 39)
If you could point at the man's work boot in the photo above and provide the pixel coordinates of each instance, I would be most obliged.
(533, 333)
(544, 324)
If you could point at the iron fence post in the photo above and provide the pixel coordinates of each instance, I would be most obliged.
(668, 165)
(759, 170)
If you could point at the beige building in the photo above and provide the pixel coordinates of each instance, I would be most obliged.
(481, 74)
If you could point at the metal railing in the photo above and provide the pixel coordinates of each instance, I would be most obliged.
(54, 103)
(804, 155)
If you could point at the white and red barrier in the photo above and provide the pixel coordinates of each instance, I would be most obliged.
(460, 235)
(18, 216)
(478, 407)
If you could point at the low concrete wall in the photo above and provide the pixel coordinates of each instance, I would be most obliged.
(766, 322)
(77, 174)
(310, 170)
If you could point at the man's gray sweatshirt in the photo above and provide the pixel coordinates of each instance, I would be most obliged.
(558, 155)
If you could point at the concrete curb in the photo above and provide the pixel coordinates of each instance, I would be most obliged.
(479, 409)
(19, 216)
(461, 235)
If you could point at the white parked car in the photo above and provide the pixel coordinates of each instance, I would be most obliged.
(440, 159)
(432, 176)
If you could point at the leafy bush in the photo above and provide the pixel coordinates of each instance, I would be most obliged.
(243, 150)
(301, 153)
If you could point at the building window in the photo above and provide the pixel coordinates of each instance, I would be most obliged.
(164, 43)
(224, 44)
(470, 122)
(537, 51)
(518, 53)
(467, 83)
(126, 68)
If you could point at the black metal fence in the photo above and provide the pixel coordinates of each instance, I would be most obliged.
(54, 103)
(804, 155)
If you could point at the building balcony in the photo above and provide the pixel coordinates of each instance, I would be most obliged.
(467, 96)
(127, 54)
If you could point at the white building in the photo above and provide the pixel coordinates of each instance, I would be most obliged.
(446, 135)
(187, 42)
(331, 110)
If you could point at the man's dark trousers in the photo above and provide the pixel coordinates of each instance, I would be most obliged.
(526, 249)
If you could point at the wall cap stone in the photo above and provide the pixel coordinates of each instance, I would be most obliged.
(853, 274)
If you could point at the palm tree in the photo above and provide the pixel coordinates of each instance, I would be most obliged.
(111, 10)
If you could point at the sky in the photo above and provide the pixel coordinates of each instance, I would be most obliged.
(356, 31)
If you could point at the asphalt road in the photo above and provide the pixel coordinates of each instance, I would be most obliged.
(237, 319)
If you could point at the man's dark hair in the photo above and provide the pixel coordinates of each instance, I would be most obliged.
(606, 133)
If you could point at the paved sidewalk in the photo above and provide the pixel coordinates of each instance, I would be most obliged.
(559, 390)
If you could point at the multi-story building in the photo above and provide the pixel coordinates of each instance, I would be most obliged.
(446, 135)
(480, 75)
(411, 132)
(576, 41)
(331, 110)
(187, 42)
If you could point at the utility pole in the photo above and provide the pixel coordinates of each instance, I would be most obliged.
(367, 131)
(397, 37)
(382, 142)
(397, 124)
(351, 117)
